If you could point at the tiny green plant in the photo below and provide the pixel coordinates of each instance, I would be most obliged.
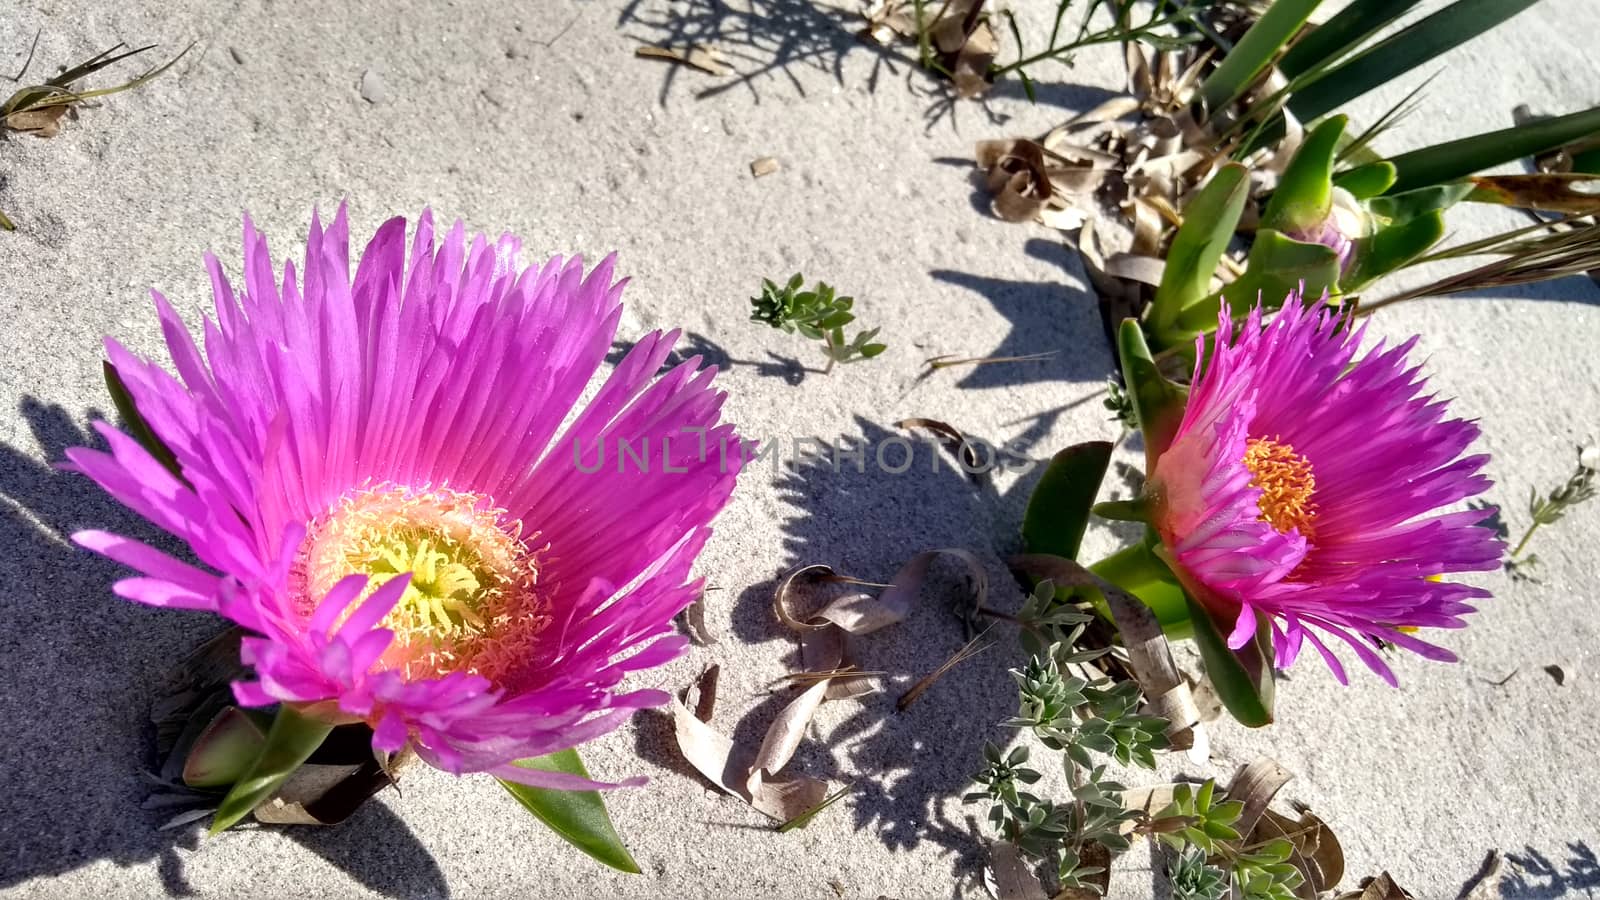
(1210, 853)
(1548, 509)
(817, 314)
(1076, 716)
(37, 109)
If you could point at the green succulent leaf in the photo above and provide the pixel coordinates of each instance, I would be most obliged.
(1209, 221)
(1277, 265)
(1391, 248)
(291, 740)
(1157, 403)
(1304, 196)
(224, 751)
(1366, 181)
(578, 817)
(1399, 209)
(1058, 509)
(1242, 678)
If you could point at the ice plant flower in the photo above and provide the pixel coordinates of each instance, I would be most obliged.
(376, 474)
(1305, 487)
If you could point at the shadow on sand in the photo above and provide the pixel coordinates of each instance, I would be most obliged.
(80, 668)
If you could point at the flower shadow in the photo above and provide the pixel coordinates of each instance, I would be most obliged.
(80, 668)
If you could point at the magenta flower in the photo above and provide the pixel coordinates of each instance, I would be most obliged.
(371, 468)
(1307, 487)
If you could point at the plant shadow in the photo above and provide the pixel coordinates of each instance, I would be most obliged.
(1045, 317)
(764, 43)
(80, 668)
(866, 521)
(692, 344)
(1534, 876)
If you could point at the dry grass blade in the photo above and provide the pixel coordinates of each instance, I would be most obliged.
(1556, 255)
(945, 362)
(707, 59)
(967, 651)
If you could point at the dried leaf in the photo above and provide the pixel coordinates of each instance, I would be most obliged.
(694, 618)
(1013, 877)
(766, 165)
(1567, 193)
(1380, 888)
(1254, 785)
(707, 59)
(1558, 674)
(955, 440)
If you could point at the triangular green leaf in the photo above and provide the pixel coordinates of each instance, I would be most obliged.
(1391, 248)
(1366, 181)
(1243, 678)
(1157, 402)
(1058, 509)
(578, 817)
(291, 740)
(138, 428)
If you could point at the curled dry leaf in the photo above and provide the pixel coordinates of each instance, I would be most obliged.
(1013, 877)
(707, 59)
(1165, 689)
(955, 441)
(1031, 182)
(1315, 852)
(1381, 888)
(694, 618)
(1566, 192)
(825, 653)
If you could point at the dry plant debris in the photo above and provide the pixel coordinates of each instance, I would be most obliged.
(764, 166)
(829, 666)
(698, 56)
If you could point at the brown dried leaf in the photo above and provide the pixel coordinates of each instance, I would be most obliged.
(1254, 785)
(41, 121)
(1380, 888)
(707, 59)
(1013, 877)
(1567, 193)
(694, 618)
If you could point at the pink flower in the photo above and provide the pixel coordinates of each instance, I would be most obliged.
(1307, 487)
(372, 473)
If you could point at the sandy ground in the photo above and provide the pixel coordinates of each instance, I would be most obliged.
(536, 118)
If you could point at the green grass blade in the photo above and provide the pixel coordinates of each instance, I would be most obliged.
(1457, 159)
(290, 742)
(1400, 53)
(1347, 30)
(577, 817)
(1255, 51)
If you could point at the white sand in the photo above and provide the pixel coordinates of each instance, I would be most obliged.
(577, 146)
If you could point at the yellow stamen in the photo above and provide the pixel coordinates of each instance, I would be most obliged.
(471, 605)
(1286, 482)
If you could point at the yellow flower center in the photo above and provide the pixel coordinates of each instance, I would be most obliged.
(471, 605)
(1286, 482)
